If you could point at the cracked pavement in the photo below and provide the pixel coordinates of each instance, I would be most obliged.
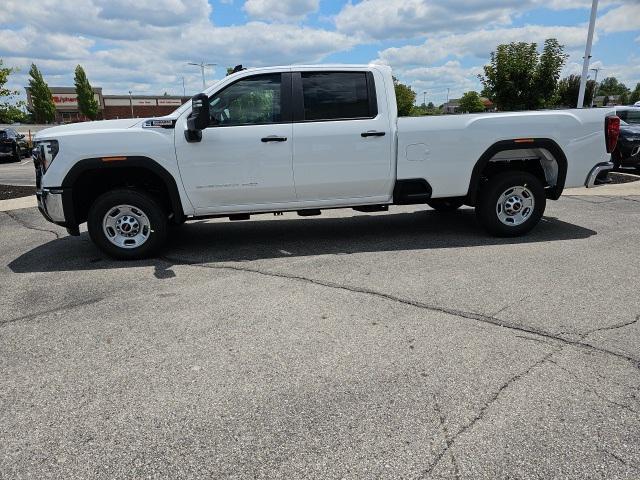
(398, 345)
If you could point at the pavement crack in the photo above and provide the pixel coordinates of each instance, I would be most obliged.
(447, 438)
(63, 308)
(478, 317)
(483, 410)
(592, 389)
(612, 327)
(620, 459)
(22, 223)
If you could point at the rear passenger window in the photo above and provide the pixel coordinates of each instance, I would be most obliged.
(336, 95)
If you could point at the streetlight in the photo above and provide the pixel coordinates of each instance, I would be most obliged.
(202, 66)
(587, 53)
(595, 86)
(184, 91)
(424, 98)
(131, 103)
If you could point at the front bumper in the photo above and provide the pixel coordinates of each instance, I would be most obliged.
(52, 202)
(50, 205)
(599, 169)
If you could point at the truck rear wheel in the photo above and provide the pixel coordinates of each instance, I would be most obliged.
(127, 224)
(511, 203)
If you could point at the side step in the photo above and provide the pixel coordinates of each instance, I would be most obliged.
(309, 213)
(239, 216)
(372, 208)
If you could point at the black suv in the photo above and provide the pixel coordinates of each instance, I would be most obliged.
(12, 145)
(627, 152)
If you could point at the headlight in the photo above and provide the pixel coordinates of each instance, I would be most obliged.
(45, 152)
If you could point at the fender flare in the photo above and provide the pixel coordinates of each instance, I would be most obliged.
(147, 163)
(546, 143)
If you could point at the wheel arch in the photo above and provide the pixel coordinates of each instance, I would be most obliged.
(547, 144)
(116, 171)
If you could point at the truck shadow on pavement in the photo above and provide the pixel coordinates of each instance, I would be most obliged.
(216, 242)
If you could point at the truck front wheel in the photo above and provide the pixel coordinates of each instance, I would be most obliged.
(127, 224)
(511, 203)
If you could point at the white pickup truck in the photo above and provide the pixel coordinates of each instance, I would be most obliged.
(306, 138)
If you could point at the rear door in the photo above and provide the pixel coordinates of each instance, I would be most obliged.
(342, 139)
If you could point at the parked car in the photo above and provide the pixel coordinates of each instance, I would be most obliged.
(627, 152)
(13, 145)
(306, 138)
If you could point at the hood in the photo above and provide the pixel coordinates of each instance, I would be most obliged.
(88, 127)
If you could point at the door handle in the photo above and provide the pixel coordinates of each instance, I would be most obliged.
(372, 133)
(273, 138)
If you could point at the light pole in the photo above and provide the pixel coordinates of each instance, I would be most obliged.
(587, 53)
(595, 86)
(424, 98)
(131, 103)
(202, 66)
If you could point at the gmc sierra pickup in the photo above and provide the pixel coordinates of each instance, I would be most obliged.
(305, 138)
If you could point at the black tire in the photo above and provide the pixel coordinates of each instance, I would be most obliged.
(489, 212)
(142, 202)
(445, 204)
(16, 154)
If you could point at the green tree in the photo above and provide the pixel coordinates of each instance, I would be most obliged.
(10, 108)
(405, 97)
(635, 95)
(624, 98)
(568, 89)
(518, 78)
(43, 109)
(611, 86)
(87, 103)
(471, 103)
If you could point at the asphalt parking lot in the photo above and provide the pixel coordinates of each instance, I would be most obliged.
(18, 173)
(399, 345)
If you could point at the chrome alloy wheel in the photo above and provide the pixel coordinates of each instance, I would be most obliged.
(515, 206)
(126, 226)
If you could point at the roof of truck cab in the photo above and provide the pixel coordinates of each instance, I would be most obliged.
(320, 66)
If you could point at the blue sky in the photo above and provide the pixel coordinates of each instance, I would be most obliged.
(144, 45)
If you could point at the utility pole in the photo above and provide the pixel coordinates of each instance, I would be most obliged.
(424, 98)
(587, 54)
(184, 91)
(202, 66)
(595, 86)
(131, 103)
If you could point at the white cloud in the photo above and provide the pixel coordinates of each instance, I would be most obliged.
(280, 10)
(29, 41)
(621, 19)
(478, 44)
(381, 19)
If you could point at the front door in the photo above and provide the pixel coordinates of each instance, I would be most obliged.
(245, 157)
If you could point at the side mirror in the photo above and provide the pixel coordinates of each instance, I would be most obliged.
(199, 118)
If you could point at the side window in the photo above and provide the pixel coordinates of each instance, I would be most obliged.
(250, 101)
(336, 95)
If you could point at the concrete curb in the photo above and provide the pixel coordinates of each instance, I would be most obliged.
(617, 190)
(18, 203)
